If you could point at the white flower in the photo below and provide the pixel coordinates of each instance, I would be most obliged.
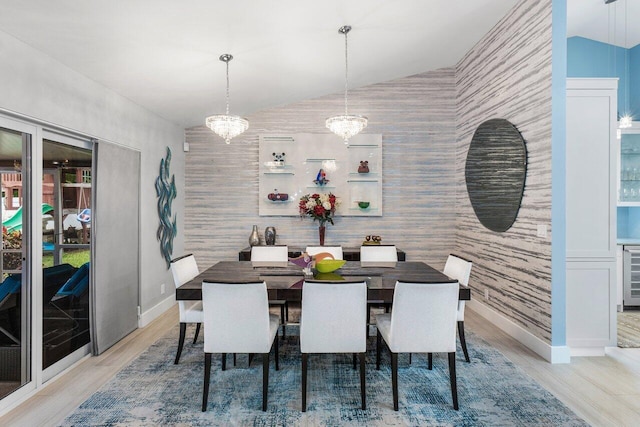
(324, 198)
(310, 204)
(327, 205)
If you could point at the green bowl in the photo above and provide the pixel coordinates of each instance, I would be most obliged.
(329, 265)
(363, 205)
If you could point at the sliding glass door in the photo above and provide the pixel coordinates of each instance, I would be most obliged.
(15, 280)
(46, 180)
(66, 243)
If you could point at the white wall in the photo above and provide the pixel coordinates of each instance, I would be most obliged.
(36, 85)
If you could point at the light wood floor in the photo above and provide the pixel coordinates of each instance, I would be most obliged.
(605, 391)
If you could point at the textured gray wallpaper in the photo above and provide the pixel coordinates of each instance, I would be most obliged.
(426, 122)
(416, 117)
(508, 75)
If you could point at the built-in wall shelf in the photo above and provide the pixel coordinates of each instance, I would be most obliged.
(296, 161)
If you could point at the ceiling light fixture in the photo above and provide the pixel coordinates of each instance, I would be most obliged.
(626, 121)
(346, 125)
(225, 125)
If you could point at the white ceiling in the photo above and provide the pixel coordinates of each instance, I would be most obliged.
(163, 54)
(614, 23)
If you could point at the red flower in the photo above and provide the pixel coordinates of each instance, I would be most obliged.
(317, 211)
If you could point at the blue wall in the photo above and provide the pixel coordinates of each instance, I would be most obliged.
(559, 72)
(634, 87)
(590, 58)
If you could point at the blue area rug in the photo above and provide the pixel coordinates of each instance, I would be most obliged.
(152, 391)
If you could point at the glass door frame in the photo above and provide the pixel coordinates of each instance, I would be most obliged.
(31, 354)
(78, 142)
(33, 173)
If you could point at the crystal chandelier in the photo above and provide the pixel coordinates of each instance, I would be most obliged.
(346, 125)
(225, 125)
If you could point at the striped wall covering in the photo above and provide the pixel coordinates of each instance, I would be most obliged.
(416, 117)
(426, 122)
(508, 75)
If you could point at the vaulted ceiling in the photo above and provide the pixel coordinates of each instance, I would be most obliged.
(163, 54)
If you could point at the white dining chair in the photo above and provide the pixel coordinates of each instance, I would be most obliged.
(459, 269)
(237, 320)
(423, 320)
(332, 320)
(335, 251)
(269, 256)
(184, 269)
(273, 256)
(377, 256)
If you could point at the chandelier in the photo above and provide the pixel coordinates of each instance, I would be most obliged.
(225, 125)
(346, 125)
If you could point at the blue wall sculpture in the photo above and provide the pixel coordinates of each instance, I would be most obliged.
(166, 191)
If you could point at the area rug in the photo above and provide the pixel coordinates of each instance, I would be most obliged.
(629, 329)
(152, 391)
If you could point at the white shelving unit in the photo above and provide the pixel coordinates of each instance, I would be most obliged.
(304, 156)
(629, 166)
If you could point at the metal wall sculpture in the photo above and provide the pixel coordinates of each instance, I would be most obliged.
(495, 173)
(166, 192)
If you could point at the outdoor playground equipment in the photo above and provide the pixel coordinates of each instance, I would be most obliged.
(15, 222)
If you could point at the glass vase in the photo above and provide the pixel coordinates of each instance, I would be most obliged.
(254, 238)
(321, 231)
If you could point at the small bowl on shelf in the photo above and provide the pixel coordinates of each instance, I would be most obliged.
(363, 205)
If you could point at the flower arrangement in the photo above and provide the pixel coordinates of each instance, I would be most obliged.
(320, 207)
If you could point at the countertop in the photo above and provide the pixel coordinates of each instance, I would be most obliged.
(629, 241)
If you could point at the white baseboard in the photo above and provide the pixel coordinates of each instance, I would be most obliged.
(155, 311)
(587, 351)
(553, 354)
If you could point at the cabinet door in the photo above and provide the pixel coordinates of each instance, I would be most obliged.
(629, 169)
(591, 174)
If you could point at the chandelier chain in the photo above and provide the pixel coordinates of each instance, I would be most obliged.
(227, 62)
(346, 72)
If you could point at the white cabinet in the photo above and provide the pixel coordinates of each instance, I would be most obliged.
(591, 177)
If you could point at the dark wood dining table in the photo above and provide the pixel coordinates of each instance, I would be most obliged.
(285, 283)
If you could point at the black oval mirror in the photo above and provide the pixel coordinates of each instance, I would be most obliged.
(495, 173)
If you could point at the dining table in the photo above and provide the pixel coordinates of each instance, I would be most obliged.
(285, 283)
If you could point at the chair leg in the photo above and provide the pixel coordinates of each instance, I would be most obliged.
(250, 359)
(463, 341)
(275, 343)
(430, 359)
(234, 359)
(363, 393)
(224, 361)
(410, 358)
(368, 319)
(452, 378)
(265, 380)
(195, 338)
(304, 381)
(183, 331)
(394, 379)
(283, 321)
(207, 377)
(378, 345)
(354, 361)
